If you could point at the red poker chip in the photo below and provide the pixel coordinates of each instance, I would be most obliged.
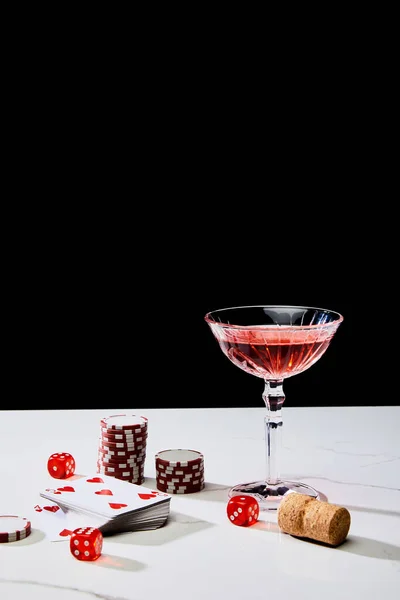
(179, 474)
(174, 483)
(180, 470)
(115, 465)
(182, 484)
(136, 456)
(179, 490)
(119, 464)
(124, 474)
(108, 439)
(122, 445)
(179, 457)
(112, 469)
(185, 486)
(185, 482)
(136, 423)
(14, 528)
(121, 451)
(124, 433)
(122, 456)
(112, 447)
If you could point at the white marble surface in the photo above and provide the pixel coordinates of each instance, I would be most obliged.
(351, 455)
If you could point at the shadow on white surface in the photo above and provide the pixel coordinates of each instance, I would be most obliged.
(363, 546)
(36, 535)
(356, 544)
(177, 526)
(119, 563)
(374, 511)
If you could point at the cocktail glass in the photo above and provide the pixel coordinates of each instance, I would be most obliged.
(273, 343)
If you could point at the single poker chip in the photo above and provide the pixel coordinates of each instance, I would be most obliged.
(121, 455)
(13, 528)
(182, 480)
(123, 434)
(126, 439)
(121, 448)
(179, 470)
(180, 489)
(121, 473)
(113, 471)
(121, 445)
(119, 465)
(114, 468)
(180, 484)
(179, 457)
(187, 484)
(136, 479)
(136, 423)
(130, 458)
(140, 440)
(126, 474)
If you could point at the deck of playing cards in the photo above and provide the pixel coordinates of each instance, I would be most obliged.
(110, 504)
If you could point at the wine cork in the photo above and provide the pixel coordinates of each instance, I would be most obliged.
(304, 516)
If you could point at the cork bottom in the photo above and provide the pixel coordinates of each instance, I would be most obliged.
(311, 519)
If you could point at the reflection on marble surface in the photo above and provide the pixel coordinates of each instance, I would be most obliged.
(28, 590)
(349, 454)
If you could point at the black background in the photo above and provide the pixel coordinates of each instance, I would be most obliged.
(102, 322)
(131, 225)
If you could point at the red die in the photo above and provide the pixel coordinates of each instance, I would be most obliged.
(86, 543)
(61, 465)
(243, 510)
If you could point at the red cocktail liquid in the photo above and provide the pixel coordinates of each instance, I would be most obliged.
(272, 352)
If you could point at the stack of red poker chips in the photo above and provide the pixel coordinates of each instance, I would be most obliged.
(179, 471)
(122, 447)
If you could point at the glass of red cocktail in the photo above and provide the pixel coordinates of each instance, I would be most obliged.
(273, 343)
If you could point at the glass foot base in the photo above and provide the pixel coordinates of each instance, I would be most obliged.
(270, 495)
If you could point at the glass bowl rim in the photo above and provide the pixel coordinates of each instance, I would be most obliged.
(211, 321)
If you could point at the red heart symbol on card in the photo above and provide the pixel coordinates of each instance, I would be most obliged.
(104, 493)
(51, 508)
(117, 506)
(95, 480)
(37, 508)
(147, 496)
(65, 532)
(67, 488)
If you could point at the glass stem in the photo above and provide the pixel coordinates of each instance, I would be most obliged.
(274, 398)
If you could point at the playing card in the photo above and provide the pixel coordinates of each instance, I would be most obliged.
(111, 504)
(52, 520)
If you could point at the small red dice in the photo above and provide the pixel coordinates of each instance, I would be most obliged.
(86, 543)
(61, 465)
(243, 510)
